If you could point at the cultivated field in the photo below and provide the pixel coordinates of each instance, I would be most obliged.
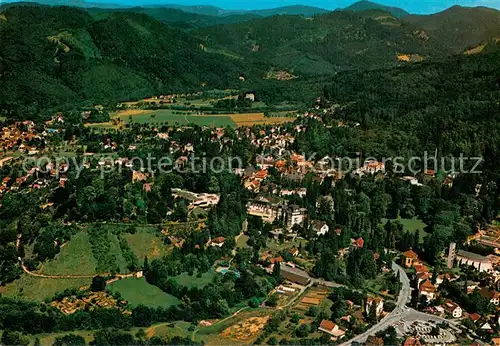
(173, 117)
(313, 297)
(246, 330)
(138, 291)
(250, 119)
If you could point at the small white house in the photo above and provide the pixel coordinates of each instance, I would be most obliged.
(453, 309)
(320, 227)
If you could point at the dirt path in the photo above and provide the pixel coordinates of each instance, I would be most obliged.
(44, 276)
(220, 321)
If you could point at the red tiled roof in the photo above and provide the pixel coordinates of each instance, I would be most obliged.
(327, 325)
(218, 240)
(475, 316)
(410, 254)
(427, 286)
(412, 341)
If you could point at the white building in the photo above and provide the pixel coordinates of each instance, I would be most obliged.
(481, 263)
(320, 227)
(379, 303)
(453, 309)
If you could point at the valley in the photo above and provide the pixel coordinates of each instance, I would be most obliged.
(194, 175)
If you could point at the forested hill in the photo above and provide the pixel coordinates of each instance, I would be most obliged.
(352, 40)
(450, 105)
(460, 27)
(368, 5)
(53, 56)
(176, 17)
(62, 55)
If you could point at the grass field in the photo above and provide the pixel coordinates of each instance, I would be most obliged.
(145, 242)
(120, 261)
(412, 225)
(193, 281)
(169, 330)
(75, 258)
(48, 339)
(176, 117)
(276, 246)
(241, 242)
(138, 291)
(172, 117)
(33, 288)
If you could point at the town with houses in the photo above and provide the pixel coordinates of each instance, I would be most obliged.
(408, 299)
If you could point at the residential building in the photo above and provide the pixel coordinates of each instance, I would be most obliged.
(492, 295)
(428, 289)
(412, 341)
(219, 241)
(197, 200)
(294, 215)
(379, 304)
(452, 308)
(331, 328)
(320, 227)
(357, 243)
(408, 257)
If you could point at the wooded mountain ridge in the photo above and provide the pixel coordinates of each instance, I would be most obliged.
(57, 55)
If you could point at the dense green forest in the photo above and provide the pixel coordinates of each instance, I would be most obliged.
(54, 56)
(60, 57)
(451, 106)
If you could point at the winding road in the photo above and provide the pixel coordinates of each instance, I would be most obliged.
(400, 313)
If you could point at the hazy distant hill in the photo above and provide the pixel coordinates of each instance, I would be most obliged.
(327, 43)
(368, 5)
(307, 11)
(459, 27)
(176, 17)
(208, 10)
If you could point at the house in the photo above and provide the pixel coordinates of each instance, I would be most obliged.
(491, 294)
(357, 243)
(475, 317)
(294, 215)
(496, 341)
(428, 289)
(379, 305)
(138, 176)
(294, 252)
(294, 274)
(250, 96)
(408, 257)
(320, 227)
(219, 241)
(481, 263)
(331, 328)
(452, 308)
(372, 340)
(412, 341)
